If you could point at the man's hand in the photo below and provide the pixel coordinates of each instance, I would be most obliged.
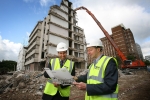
(80, 85)
(55, 84)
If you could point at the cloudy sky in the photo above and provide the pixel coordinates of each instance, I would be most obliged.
(18, 19)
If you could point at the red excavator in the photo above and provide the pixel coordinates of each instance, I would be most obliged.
(125, 63)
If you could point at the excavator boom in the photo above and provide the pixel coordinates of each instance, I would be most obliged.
(126, 63)
(121, 55)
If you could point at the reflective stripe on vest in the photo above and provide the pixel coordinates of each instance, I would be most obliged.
(50, 89)
(96, 75)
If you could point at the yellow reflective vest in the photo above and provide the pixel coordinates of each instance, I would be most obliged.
(96, 75)
(50, 89)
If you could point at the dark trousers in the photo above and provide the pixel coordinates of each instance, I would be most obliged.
(57, 96)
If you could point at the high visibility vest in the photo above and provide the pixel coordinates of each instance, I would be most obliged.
(96, 75)
(50, 89)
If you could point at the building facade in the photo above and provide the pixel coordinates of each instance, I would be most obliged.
(140, 54)
(58, 26)
(147, 57)
(124, 39)
(21, 59)
(108, 48)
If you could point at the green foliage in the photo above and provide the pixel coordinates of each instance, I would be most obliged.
(147, 62)
(131, 57)
(7, 65)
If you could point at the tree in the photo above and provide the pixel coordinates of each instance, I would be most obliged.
(7, 65)
(147, 62)
(131, 57)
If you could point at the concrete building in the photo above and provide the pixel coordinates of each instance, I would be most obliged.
(124, 39)
(140, 54)
(21, 59)
(58, 26)
(147, 57)
(108, 48)
(33, 54)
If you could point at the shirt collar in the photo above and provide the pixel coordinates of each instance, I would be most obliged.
(63, 60)
(97, 59)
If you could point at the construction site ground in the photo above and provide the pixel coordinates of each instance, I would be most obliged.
(135, 86)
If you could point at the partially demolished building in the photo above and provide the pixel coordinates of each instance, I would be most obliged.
(60, 25)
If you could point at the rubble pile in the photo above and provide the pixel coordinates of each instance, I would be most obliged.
(31, 82)
(30, 85)
(23, 82)
(81, 71)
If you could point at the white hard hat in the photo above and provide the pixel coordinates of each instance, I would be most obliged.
(61, 47)
(94, 43)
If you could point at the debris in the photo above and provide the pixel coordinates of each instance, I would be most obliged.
(27, 85)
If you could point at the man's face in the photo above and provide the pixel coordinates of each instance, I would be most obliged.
(62, 55)
(93, 52)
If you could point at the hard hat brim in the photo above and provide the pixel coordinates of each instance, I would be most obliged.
(61, 49)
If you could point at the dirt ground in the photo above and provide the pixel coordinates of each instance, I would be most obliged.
(135, 87)
(131, 87)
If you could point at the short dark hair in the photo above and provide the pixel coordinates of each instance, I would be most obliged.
(62, 51)
(101, 48)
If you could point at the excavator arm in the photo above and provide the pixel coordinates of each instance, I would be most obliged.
(121, 55)
(125, 63)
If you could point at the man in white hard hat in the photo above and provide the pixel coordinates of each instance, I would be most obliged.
(101, 81)
(54, 91)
